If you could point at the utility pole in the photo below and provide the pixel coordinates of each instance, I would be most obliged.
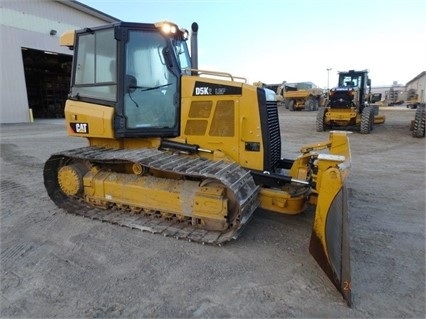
(328, 78)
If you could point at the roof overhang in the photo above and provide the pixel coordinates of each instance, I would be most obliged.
(417, 77)
(89, 10)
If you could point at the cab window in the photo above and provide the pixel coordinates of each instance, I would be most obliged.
(95, 74)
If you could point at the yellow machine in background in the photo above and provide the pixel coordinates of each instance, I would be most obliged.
(413, 99)
(302, 96)
(297, 96)
(349, 104)
(188, 153)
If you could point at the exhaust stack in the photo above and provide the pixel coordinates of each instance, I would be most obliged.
(194, 45)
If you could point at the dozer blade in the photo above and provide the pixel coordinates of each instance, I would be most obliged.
(379, 119)
(329, 243)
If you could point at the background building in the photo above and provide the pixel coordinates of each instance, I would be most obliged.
(35, 70)
(390, 92)
(411, 93)
(418, 87)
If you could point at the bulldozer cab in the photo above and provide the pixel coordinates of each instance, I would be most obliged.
(134, 68)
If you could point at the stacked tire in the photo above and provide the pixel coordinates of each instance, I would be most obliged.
(311, 104)
(419, 121)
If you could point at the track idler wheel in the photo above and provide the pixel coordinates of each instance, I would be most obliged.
(70, 179)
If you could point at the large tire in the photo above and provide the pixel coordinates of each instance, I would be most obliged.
(286, 103)
(310, 104)
(320, 119)
(419, 122)
(372, 116)
(367, 120)
(375, 108)
(291, 105)
(316, 105)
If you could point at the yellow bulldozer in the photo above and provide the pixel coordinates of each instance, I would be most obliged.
(188, 153)
(350, 104)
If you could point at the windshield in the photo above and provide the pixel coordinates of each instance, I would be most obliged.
(149, 86)
(350, 80)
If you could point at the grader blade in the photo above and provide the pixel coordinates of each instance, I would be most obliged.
(329, 243)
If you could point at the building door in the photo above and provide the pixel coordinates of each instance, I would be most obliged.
(47, 78)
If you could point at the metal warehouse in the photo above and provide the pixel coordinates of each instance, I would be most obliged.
(418, 86)
(34, 68)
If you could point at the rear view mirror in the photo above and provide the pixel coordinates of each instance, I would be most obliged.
(130, 83)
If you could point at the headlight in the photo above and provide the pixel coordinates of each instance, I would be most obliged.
(167, 27)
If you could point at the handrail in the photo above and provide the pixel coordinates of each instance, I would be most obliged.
(216, 73)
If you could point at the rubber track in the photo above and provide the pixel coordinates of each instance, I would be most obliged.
(235, 178)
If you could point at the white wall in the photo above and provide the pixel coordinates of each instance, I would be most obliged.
(13, 100)
(28, 24)
(420, 86)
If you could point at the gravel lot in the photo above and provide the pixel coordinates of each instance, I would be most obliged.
(58, 265)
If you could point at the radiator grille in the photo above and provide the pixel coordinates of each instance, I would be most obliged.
(341, 99)
(274, 133)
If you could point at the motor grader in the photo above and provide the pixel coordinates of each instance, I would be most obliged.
(350, 104)
(185, 152)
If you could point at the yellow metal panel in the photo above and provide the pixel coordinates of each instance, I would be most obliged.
(379, 119)
(183, 198)
(250, 128)
(67, 38)
(279, 201)
(94, 120)
(340, 114)
(232, 120)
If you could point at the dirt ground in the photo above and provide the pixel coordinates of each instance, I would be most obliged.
(58, 265)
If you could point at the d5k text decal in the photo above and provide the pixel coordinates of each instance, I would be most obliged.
(205, 88)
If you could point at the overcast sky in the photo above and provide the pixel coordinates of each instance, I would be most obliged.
(295, 40)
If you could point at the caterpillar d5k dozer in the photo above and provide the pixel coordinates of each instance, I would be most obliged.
(349, 104)
(188, 153)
